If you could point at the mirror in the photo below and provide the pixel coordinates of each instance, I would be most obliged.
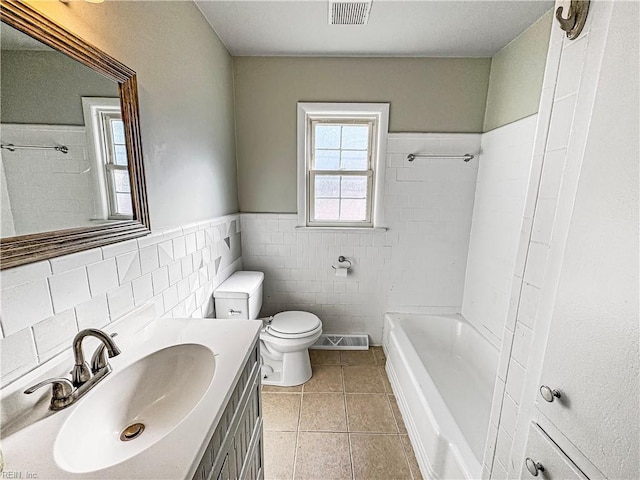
(63, 159)
(71, 174)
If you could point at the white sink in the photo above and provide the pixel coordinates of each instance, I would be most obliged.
(174, 375)
(157, 391)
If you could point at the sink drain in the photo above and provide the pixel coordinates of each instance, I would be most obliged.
(132, 432)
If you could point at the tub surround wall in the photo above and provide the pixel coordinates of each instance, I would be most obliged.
(416, 266)
(503, 177)
(70, 198)
(428, 207)
(186, 101)
(45, 304)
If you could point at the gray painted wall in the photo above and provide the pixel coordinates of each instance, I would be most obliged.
(185, 85)
(32, 80)
(426, 95)
(516, 78)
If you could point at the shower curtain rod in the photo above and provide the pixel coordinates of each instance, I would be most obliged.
(412, 156)
(12, 148)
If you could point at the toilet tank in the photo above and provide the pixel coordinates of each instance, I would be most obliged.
(239, 296)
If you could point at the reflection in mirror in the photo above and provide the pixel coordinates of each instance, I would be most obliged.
(63, 161)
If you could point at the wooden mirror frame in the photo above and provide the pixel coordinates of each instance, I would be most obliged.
(24, 249)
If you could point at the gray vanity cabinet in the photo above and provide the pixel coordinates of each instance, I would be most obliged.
(235, 449)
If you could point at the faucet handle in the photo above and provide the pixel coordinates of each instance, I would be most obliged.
(99, 358)
(61, 392)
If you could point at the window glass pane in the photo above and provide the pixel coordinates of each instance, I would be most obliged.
(355, 160)
(354, 187)
(353, 209)
(355, 136)
(327, 208)
(327, 186)
(117, 131)
(120, 152)
(327, 136)
(124, 203)
(327, 159)
(121, 180)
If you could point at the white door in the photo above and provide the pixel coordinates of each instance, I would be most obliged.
(592, 354)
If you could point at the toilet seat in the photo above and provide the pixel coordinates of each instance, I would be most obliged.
(293, 325)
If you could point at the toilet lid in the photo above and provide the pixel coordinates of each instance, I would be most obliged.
(293, 323)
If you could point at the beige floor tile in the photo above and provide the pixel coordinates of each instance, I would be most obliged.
(378, 354)
(357, 357)
(362, 379)
(385, 380)
(326, 378)
(396, 414)
(323, 456)
(369, 413)
(378, 457)
(323, 412)
(413, 463)
(281, 411)
(279, 453)
(324, 357)
(276, 389)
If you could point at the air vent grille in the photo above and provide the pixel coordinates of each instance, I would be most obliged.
(349, 12)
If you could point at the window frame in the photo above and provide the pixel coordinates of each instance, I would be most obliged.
(309, 114)
(110, 165)
(97, 113)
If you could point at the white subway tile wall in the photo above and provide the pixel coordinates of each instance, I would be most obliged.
(103, 276)
(498, 210)
(44, 304)
(69, 289)
(417, 265)
(30, 300)
(69, 201)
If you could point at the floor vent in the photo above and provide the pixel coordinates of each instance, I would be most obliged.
(342, 342)
(349, 12)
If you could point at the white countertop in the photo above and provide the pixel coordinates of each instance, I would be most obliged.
(29, 434)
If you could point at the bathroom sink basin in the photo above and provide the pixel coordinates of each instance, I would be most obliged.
(134, 408)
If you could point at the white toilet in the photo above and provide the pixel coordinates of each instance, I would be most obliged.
(284, 339)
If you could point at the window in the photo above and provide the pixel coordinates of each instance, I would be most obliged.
(105, 133)
(116, 165)
(341, 150)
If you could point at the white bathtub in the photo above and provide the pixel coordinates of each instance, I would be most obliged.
(442, 372)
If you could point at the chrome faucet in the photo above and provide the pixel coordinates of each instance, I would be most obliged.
(65, 392)
(81, 373)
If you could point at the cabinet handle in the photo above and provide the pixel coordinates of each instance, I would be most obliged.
(231, 311)
(549, 394)
(534, 467)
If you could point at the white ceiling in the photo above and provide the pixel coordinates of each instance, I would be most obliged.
(415, 28)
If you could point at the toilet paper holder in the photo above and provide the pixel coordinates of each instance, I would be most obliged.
(342, 259)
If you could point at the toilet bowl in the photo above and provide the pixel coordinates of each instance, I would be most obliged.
(284, 343)
(284, 339)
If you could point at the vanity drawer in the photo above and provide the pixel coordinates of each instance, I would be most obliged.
(544, 459)
(254, 465)
(229, 447)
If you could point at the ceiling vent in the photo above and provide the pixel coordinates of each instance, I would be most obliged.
(349, 12)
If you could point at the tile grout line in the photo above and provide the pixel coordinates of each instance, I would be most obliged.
(295, 453)
(346, 417)
(298, 429)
